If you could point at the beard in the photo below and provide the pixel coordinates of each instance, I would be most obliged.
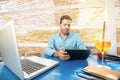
(65, 32)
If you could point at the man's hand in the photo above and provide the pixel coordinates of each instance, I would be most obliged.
(63, 55)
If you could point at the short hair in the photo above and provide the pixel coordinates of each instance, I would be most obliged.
(65, 17)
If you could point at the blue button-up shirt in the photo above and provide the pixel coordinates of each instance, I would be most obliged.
(73, 41)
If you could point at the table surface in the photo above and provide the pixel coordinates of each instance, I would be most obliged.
(65, 70)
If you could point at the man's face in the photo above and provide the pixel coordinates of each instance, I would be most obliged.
(65, 26)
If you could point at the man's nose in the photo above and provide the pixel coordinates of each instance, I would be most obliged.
(67, 26)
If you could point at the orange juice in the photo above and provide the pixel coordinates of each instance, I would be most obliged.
(99, 45)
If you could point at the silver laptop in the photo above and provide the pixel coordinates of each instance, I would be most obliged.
(11, 58)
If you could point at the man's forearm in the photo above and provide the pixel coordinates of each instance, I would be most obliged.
(56, 54)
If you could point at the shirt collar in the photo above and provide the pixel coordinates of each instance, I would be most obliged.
(63, 38)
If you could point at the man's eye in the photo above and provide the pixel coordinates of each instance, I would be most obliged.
(69, 25)
(65, 24)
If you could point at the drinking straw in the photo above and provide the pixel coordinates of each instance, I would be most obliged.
(103, 36)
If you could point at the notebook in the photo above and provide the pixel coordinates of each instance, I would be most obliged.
(11, 58)
(78, 53)
(102, 72)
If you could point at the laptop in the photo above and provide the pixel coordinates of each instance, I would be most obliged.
(12, 59)
(78, 53)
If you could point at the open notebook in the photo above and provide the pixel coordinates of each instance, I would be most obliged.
(11, 58)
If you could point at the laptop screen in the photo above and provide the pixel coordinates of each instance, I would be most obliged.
(9, 49)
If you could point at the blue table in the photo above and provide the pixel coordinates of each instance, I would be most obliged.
(64, 71)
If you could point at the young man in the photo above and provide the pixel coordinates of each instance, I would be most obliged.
(64, 40)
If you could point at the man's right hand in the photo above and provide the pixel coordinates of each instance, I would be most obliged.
(62, 54)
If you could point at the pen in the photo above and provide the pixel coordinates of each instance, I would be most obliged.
(87, 76)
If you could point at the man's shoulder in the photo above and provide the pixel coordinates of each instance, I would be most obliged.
(55, 35)
(73, 33)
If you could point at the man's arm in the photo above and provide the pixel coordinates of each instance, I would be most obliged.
(80, 43)
(62, 54)
(50, 49)
(56, 54)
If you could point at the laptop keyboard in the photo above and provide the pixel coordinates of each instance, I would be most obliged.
(30, 67)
